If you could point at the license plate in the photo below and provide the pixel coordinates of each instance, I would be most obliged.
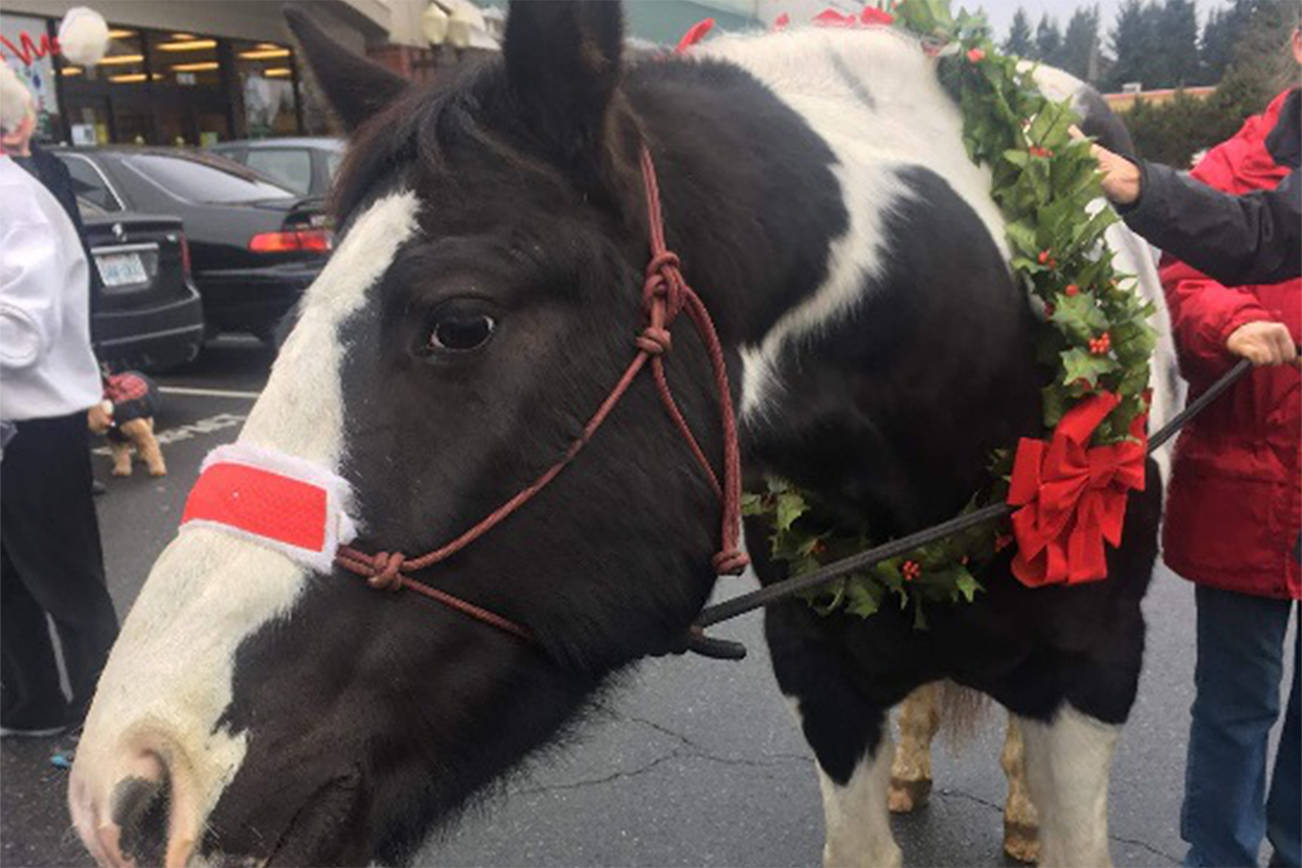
(121, 269)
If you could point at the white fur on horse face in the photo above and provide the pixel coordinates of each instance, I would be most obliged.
(907, 120)
(169, 677)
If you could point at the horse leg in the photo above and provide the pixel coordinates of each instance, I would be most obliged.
(911, 770)
(1021, 835)
(848, 731)
(1067, 764)
(856, 817)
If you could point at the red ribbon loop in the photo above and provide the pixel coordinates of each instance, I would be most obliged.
(1073, 497)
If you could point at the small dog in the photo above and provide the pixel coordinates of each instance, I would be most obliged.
(126, 416)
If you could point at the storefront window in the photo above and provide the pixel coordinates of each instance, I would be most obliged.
(122, 65)
(25, 47)
(158, 87)
(265, 71)
(184, 59)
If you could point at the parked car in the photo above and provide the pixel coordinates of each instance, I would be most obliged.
(145, 311)
(306, 164)
(254, 244)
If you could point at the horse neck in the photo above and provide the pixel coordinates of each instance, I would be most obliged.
(713, 186)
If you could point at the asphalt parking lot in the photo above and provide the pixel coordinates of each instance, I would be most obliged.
(689, 762)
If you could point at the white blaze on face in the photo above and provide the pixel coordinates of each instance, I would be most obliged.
(169, 677)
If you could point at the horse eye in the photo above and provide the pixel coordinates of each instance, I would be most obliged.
(462, 333)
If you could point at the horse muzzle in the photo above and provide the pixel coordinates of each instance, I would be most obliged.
(141, 809)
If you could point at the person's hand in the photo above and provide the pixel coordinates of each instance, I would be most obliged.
(1121, 178)
(1263, 343)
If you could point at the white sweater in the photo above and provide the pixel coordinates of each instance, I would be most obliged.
(47, 368)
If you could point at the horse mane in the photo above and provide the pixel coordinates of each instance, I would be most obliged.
(465, 129)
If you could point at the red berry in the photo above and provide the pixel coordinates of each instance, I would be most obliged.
(975, 55)
(1043, 257)
(910, 570)
(1071, 289)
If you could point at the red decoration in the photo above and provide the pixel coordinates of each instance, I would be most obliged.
(31, 50)
(1101, 345)
(1071, 289)
(873, 15)
(260, 503)
(833, 18)
(910, 570)
(781, 22)
(975, 55)
(1073, 497)
(694, 34)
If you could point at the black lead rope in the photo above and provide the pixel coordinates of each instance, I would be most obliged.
(726, 649)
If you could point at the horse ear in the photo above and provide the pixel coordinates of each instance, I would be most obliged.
(355, 87)
(563, 63)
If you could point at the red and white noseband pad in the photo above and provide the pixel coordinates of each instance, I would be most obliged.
(273, 499)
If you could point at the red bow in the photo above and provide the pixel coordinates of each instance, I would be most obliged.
(1073, 497)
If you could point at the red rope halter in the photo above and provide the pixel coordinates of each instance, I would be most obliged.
(665, 294)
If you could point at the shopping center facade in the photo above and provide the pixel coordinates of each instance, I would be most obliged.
(200, 72)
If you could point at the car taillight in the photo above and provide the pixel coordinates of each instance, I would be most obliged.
(288, 241)
(185, 255)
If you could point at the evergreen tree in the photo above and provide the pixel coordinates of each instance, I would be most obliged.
(1080, 44)
(1222, 32)
(1132, 46)
(1019, 41)
(1177, 24)
(1048, 41)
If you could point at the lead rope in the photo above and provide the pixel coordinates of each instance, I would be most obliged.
(664, 295)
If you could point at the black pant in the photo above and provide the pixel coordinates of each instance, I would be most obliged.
(50, 563)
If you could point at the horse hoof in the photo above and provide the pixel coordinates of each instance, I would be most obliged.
(158, 471)
(907, 796)
(1022, 842)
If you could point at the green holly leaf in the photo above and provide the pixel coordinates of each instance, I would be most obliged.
(967, 585)
(863, 597)
(790, 506)
(1077, 364)
(1078, 316)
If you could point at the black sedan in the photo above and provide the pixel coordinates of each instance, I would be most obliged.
(145, 311)
(254, 245)
(304, 164)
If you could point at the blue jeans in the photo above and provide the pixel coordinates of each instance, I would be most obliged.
(1240, 665)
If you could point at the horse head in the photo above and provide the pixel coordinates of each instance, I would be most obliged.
(482, 301)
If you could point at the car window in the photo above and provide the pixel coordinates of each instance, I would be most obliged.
(332, 163)
(290, 166)
(88, 184)
(87, 208)
(205, 180)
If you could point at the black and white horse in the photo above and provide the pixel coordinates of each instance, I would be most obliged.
(481, 303)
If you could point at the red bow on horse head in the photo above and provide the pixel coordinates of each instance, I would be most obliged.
(1073, 497)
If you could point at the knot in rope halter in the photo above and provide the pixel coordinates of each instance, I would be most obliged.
(665, 294)
(388, 571)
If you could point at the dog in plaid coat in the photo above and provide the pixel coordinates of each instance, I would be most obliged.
(126, 417)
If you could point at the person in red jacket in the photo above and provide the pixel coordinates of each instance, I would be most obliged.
(1234, 524)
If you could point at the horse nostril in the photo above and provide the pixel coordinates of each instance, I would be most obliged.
(141, 809)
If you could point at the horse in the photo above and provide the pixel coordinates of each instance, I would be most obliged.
(488, 292)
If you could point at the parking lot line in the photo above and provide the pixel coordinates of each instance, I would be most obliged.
(207, 393)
